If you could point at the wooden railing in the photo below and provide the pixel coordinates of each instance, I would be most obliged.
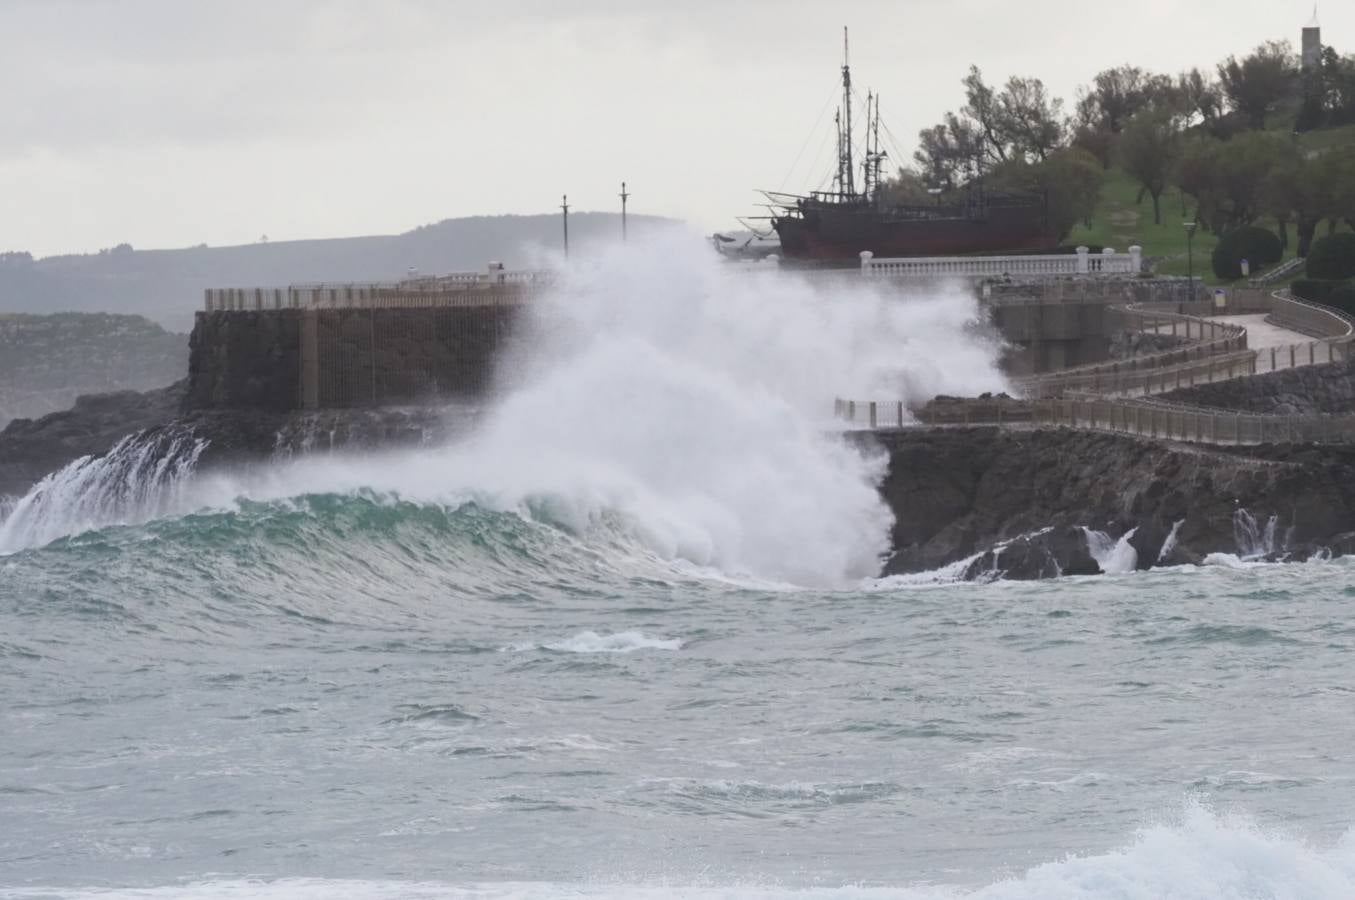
(1217, 350)
(1308, 318)
(1145, 418)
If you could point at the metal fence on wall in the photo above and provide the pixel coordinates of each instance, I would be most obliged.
(1145, 418)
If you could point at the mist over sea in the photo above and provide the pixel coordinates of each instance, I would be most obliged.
(626, 640)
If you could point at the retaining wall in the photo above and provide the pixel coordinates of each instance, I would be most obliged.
(284, 359)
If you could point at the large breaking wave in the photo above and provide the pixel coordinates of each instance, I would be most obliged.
(659, 392)
(1205, 857)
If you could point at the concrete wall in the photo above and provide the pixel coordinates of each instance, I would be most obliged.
(327, 358)
(1057, 324)
(245, 359)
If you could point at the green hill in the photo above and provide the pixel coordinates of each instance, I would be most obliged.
(48, 361)
(1121, 221)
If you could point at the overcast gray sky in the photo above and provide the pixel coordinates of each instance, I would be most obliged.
(167, 123)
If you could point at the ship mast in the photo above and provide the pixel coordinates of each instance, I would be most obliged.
(845, 146)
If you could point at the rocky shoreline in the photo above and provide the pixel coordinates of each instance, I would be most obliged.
(987, 501)
(961, 492)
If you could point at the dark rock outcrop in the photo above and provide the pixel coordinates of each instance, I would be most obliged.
(958, 492)
(1048, 553)
(32, 448)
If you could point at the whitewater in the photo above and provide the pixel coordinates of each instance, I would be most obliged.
(624, 639)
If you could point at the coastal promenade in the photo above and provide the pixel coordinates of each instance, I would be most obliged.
(1123, 396)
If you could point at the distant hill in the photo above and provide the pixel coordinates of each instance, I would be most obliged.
(167, 285)
(48, 361)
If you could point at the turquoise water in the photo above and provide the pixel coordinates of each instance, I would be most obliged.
(348, 694)
(623, 641)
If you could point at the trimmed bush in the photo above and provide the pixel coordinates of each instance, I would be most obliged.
(1261, 248)
(1332, 257)
(1314, 290)
(1343, 298)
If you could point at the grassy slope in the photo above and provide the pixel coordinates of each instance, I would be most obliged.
(1120, 222)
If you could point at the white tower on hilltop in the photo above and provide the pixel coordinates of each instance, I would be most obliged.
(1312, 43)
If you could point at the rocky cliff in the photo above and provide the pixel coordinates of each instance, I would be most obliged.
(959, 492)
(47, 361)
(993, 502)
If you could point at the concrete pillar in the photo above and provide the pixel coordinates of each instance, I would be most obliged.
(866, 257)
(1082, 265)
(310, 359)
(1136, 259)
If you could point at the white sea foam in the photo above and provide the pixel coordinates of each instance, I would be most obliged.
(1169, 544)
(592, 642)
(1203, 857)
(688, 399)
(1115, 556)
(140, 478)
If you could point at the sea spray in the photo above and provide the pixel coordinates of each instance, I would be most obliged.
(1169, 544)
(143, 476)
(655, 389)
(1254, 540)
(1115, 556)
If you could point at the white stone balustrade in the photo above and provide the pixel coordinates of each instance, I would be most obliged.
(1108, 262)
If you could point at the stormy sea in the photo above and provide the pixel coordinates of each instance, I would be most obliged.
(624, 637)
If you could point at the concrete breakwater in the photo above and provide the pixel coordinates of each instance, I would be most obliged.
(343, 346)
(396, 350)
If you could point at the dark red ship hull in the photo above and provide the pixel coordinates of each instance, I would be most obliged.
(832, 231)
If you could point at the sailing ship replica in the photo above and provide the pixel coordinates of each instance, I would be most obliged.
(841, 223)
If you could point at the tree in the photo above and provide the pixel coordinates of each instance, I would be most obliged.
(948, 154)
(1116, 96)
(1256, 84)
(1335, 87)
(1199, 96)
(1069, 178)
(1096, 141)
(1148, 151)
(984, 110)
(1031, 119)
(1019, 122)
(1227, 178)
(1300, 188)
(907, 188)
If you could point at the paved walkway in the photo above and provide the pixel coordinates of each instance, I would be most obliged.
(1263, 335)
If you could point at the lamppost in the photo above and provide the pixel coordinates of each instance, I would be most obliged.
(564, 206)
(1190, 256)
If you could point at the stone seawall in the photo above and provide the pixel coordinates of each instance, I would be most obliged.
(245, 360)
(336, 358)
(1327, 388)
(958, 492)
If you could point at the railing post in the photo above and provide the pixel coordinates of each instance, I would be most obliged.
(872, 414)
(900, 413)
(866, 257)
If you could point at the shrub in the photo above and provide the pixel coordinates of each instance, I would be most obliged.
(1343, 298)
(1314, 290)
(1332, 256)
(1258, 246)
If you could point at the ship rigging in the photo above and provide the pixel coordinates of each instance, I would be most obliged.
(840, 223)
